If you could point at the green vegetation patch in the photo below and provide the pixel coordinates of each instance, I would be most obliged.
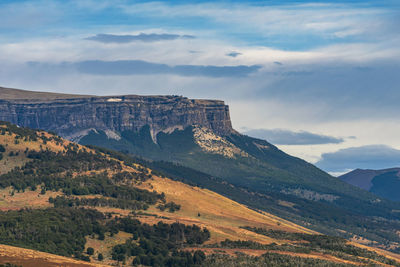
(332, 245)
(63, 231)
(266, 260)
(158, 245)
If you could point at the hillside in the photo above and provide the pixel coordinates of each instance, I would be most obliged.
(384, 183)
(69, 199)
(263, 177)
(193, 141)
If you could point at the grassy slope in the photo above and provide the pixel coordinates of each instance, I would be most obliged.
(260, 180)
(217, 212)
(8, 94)
(222, 216)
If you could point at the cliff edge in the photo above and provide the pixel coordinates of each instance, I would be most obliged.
(73, 116)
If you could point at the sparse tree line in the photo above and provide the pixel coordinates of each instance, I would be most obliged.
(54, 172)
(333, 245)
(62, 201)
(2, 150)
(27, 134)
(267, 260)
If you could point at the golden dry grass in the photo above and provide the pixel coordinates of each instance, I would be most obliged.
(33, 258)
(8, 141)
(104, 246)
(222, 216)
(27, 199)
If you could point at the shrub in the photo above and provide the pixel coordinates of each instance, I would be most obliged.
(90, 251)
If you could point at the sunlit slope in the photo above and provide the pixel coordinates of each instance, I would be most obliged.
(257, 174)
(222, 216)
(31, 151)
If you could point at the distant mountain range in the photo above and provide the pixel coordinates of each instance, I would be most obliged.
(193, 141)
(384, 183)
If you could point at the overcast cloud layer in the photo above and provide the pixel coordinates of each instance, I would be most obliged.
(326, 67)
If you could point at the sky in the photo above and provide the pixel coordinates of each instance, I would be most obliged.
(319, 79)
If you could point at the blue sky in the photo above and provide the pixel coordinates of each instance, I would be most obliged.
(315, 77)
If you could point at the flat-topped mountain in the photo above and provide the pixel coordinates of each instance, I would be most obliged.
(74, 116)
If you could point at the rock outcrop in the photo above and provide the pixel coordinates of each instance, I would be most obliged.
(72, 116)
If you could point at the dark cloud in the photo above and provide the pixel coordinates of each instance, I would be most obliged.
(233, 54)
(364, 157)
(278, 63)
(151, 37)
(139, 67)
(286, 137)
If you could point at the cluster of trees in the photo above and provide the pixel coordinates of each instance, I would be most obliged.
(102, 185)
(58, 231)
(50, 168)
(170, 206)
(157, 245)
(2, 150)
(63, 201)
(62, 231)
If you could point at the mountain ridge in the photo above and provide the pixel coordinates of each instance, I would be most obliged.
(74, 117)
(383, 182)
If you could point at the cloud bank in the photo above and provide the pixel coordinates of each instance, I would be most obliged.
(140, 67)
(143, 37)
(364, 157)
(287, 137)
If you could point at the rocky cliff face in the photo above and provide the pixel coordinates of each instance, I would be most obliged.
(74, 116)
